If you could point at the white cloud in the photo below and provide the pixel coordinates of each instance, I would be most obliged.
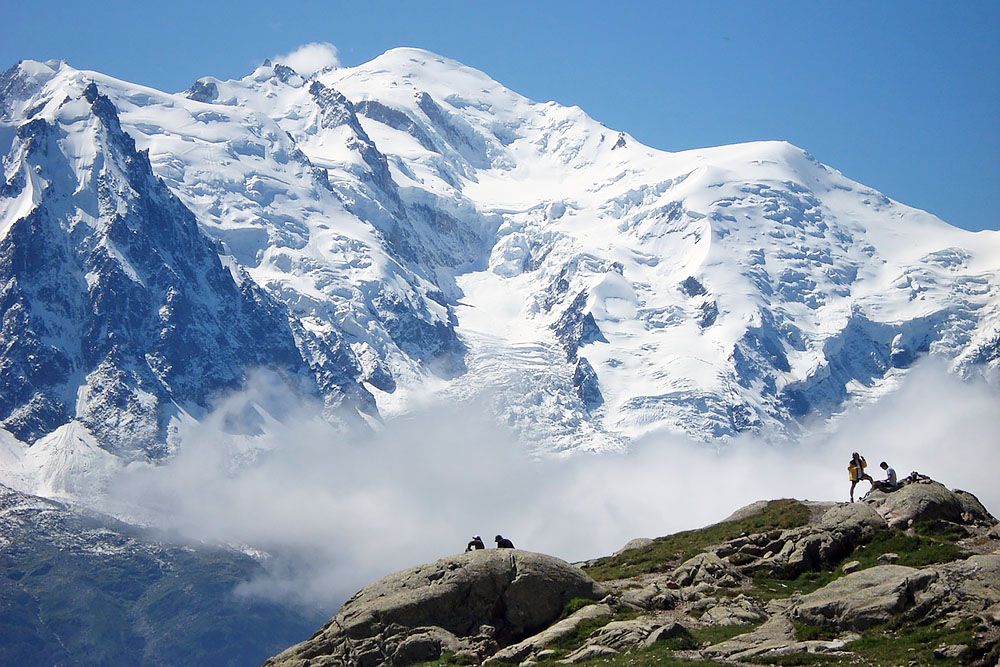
(310, 58)
(337, 512)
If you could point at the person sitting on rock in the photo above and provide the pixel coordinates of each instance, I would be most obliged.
(476, 544)
(856, 470)
(503, 542)
(889, 484)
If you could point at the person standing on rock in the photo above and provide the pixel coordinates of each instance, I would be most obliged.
(503, 542)
(856, 470)
(476, 544)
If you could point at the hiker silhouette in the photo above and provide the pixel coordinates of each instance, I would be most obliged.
(503, 542)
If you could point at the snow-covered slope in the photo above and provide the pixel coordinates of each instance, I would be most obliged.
(429, 230)
(710, 291)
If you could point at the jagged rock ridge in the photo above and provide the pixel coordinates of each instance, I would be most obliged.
(116, 310)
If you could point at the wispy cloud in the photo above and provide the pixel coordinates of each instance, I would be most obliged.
(310, 58)
(337, 511)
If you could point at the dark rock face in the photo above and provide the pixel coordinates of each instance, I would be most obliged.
(337, 110)
(395, 119)
(203, 91)
(709, 314)
(586, 383)
(692, 287)
(448, 603)
(862, 352)
(576, 328)
(86, 590)
(434, 343)
(456, 132)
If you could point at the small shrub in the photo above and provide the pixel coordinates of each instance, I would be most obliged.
(575, 605)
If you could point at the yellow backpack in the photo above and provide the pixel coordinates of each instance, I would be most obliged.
(852, 470)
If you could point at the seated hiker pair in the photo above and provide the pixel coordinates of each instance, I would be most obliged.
(856, 471)
(477, 543)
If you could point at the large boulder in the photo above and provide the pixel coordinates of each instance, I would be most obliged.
(928, 501)
(970, 586)
(857, 520)
(863, 599)
(560, 630)
(474, 601)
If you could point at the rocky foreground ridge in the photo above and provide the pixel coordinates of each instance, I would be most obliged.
(907, 578)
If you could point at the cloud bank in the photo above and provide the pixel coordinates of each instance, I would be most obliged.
(310, 58)
(337, 511)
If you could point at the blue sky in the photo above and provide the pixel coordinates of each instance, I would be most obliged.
(902, 96)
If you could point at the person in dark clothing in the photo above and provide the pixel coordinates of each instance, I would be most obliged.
(503, 542)
(476, 544)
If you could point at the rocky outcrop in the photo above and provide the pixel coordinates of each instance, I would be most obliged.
(471, 603)
(505, 607)
(927, 500)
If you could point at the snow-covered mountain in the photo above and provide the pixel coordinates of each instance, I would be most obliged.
(117, 311)
(410, 227)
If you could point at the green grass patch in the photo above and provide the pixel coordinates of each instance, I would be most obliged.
(659, 655)
(884, 645)
(668, 552)
(768, 586)
(714, 634)
(805, 632)
(584, 630)
(806, 659)
(888, 645)
(913, 550)
(575, 605)
(447, 660)
(941, 530)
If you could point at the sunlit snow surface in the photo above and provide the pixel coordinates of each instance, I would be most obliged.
(601, 289)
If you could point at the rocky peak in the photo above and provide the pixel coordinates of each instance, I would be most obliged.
(109, 286)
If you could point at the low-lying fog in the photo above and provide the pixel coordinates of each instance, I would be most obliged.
(337, 512)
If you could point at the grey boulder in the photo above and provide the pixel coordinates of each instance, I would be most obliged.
(927, 501)
(415, 614)
(863, 599)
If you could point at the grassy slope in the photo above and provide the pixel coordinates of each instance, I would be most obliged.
(666, 553)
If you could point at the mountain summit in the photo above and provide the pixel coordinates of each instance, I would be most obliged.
(410, 225)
